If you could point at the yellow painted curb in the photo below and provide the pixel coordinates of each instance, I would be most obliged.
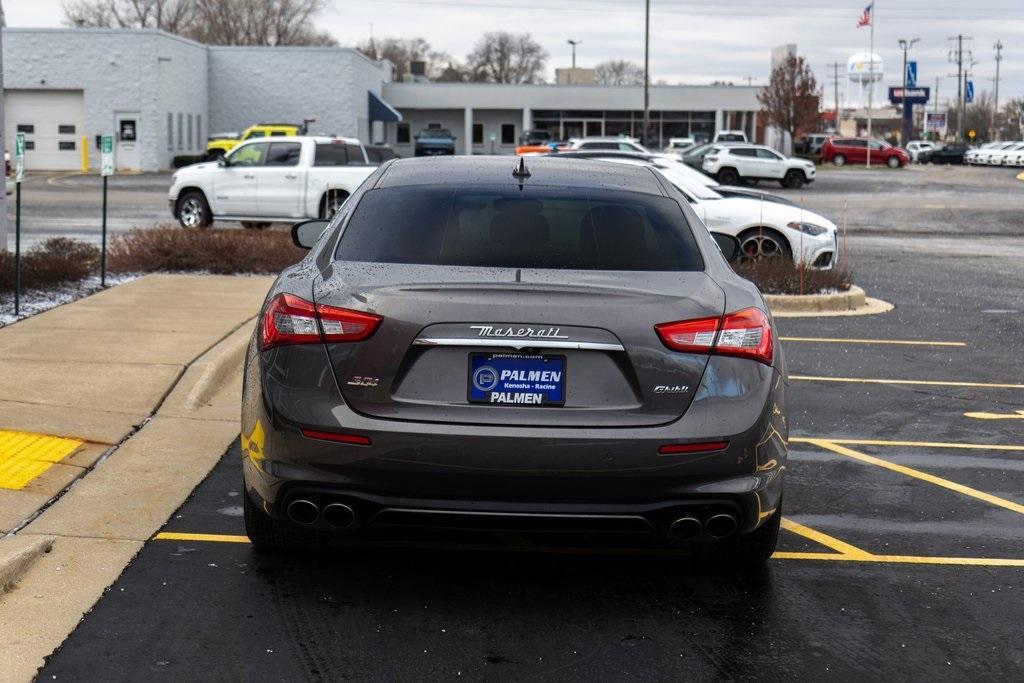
(1020, 176)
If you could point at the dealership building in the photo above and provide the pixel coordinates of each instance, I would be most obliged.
(161, 96)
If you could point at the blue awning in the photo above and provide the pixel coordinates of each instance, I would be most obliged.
(381, 110)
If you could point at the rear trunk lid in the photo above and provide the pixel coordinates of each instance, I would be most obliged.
(595, 329)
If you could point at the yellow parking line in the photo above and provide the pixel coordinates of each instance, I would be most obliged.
(918, 474)
(904, 559)
(823, 539)
(923, 382)
(212, 538)
(912, 444)
(899, 342)
(780, 555)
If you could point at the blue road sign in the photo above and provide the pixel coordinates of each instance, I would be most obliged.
(911, 74)
(969, 92)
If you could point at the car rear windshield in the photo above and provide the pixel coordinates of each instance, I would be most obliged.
(508, 228)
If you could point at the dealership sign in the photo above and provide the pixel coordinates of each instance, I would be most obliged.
(914, 95)
(935, 122)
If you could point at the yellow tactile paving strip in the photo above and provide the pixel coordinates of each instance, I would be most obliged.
(24, 456)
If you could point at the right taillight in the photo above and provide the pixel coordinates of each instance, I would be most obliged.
(290, 319)
(745, 333)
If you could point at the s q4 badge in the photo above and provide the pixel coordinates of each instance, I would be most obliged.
(671, 389)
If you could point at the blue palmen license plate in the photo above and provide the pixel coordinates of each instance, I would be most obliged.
(516, 379)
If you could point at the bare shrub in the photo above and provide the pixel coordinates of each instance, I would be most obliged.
(782, 276)
(49, 264)
(222, 252)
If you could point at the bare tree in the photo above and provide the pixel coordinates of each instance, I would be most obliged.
(618, 72)
(790, 100)
(977, 117)
(503, 57)
(217, 22)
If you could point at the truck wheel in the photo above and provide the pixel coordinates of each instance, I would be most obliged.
(728, 176)
(192, 210)
(331, 202)
(794, 180)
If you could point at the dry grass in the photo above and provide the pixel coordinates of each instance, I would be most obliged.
(223, 252)
(782, 276)
(50, 263)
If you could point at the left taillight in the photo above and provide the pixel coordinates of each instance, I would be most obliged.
(293, 320)
(745, 333)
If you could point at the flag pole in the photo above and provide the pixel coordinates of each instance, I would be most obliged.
(871, 76)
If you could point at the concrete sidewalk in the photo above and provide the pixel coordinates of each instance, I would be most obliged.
(163, 353)
(95, 369)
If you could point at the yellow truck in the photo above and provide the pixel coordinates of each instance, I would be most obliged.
(220, 145)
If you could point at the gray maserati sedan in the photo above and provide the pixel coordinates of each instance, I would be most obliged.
(535, 345)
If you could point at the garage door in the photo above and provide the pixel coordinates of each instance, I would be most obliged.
(53, 122)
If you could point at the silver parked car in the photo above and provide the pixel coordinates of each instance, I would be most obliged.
(558, 347)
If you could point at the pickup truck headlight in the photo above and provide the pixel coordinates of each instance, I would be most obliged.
(808, 228)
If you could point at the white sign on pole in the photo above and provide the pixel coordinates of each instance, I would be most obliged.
(19, 157)
(107, 155)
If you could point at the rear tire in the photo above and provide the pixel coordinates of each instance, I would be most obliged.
(331, 202)
(728, 176)
(743, 550)
(269, 534)
(192, 211)
(839, 160)
(794, 180)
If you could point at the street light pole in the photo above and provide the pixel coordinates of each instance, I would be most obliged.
(574, 43)
(647, 70)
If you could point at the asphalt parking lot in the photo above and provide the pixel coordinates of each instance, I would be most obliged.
(902, 554)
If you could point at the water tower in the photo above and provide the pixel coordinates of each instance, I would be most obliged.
(864, 71)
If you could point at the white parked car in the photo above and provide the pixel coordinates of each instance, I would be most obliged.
(982, 154)
(1014, 156)
(733, 163)
(270, 179)
(915, 147)
(678, 146)
(730, 136)
(1003, 157)
(621, 144)
(765, 229)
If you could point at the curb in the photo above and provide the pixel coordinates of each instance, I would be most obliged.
(17, 555)
(207, 374)
(851, 302)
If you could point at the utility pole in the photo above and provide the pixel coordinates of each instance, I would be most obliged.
(956, 56)
(647, 70)
(995, 106)
(574, 43)
(835, 88)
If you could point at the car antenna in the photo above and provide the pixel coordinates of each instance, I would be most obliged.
(521, 172)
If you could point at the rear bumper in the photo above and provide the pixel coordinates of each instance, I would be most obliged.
(549, 476)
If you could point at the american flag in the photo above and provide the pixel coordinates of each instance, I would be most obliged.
(865, 18)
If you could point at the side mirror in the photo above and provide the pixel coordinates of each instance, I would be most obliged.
(729, 245)
(222, 161)
(306, 233)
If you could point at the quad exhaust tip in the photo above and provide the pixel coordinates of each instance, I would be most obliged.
(302, 511)
(720, 526)
(685, 528)
(339, 516)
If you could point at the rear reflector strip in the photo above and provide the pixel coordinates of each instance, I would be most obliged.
(708, 447)
(354, 439)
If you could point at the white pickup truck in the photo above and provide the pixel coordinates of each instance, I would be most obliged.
(271, 179)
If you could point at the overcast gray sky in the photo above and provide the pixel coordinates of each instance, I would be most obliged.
(691, 42)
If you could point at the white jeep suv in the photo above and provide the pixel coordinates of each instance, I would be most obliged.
(734, 163)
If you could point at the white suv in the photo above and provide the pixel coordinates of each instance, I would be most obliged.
(731, 164)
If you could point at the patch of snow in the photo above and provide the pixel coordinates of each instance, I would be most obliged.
(38, 300)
